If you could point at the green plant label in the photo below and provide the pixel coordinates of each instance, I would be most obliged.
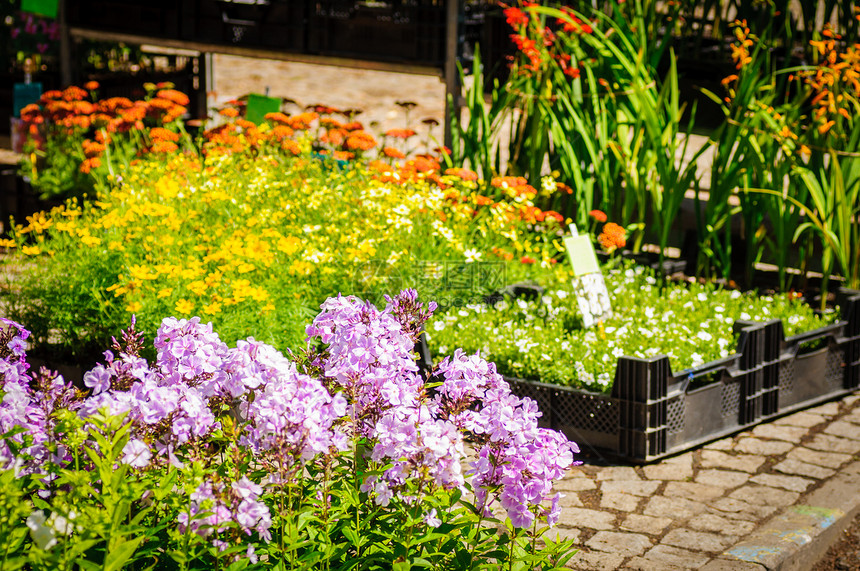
(580, 251)
(23, 95)
(47, 8)
(592, 297)
(259, 105)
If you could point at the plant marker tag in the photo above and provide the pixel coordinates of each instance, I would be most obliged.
(47, 8)
(592, 297)
(259, 105)
(580, 251)
(24, 94)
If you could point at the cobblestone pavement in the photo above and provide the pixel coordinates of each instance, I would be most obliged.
(773, 497)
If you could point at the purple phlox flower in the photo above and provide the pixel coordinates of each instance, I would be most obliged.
(98, 379)
(136, 453)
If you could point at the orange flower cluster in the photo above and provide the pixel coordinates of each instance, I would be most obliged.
(835, 82)
(516, 185)
(743, 42)
(612, 237)
(71, 112)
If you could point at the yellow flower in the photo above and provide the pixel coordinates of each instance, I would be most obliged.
(91, 241)
(31, 250)
(6, 243)
(289, 245)
(212, 308)
(184, 307)
(134, 307)
(164, 292)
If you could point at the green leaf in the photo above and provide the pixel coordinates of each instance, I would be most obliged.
(119, 556)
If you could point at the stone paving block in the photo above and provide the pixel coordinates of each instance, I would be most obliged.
(722, 478)
(720, 564)
(620, 543)
(636, 488)
(741, 462)
(693, 491)
(843, 429)
(763, 447)
(592, 519)
(853, 416)
(645, 524)
(827, 409)
(667, 471)
(719, 524)
(619, 501)
(595, 561)
(624, 473)
(675, 508)
(569, 500)
(723, 444)
(796, 467)
(791, 483)
(740, 509)
(575, 485)
(698, 540)
(764, 495)
(853, 468)
(801, 419)
(819, 458)
(667, 557)
(831, 443)
(791, 434)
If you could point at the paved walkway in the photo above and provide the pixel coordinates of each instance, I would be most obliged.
(773, 497)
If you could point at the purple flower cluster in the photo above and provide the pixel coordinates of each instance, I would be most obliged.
(517, 460)
(360, 382)
(215, 506)
(29, 405)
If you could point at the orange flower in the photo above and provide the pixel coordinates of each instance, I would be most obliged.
(166, 147)
(175, 96)
(360, 141)
(162, 134)
(527, 260)
(291, 146)
(91, 85)
(612, 237)
(393, 153)
(462, 173)
(598, 215)
(88, 164)
(278, 117)
(400, 133)
(92, 148)
(229, 112)
(74, 93)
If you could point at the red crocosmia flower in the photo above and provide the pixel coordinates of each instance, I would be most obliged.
(598, 215)
(516, 17)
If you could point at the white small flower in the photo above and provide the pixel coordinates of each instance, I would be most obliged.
(472, 255)
(41, 533)
(702, 296)
(438, 325)
(704, 336)
(744, 316)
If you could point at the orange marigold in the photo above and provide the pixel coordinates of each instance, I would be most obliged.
(166, 147)
(612, 237)
(74, 93)
(175, 96)
(229, 112)
(462, 173)
(598, 215)
(91, 85)
(400, 133)
(360, 141)
(393, 153)
(89, 164)
(162, 134)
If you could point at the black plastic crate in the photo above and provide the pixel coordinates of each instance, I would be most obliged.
(652, 412)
